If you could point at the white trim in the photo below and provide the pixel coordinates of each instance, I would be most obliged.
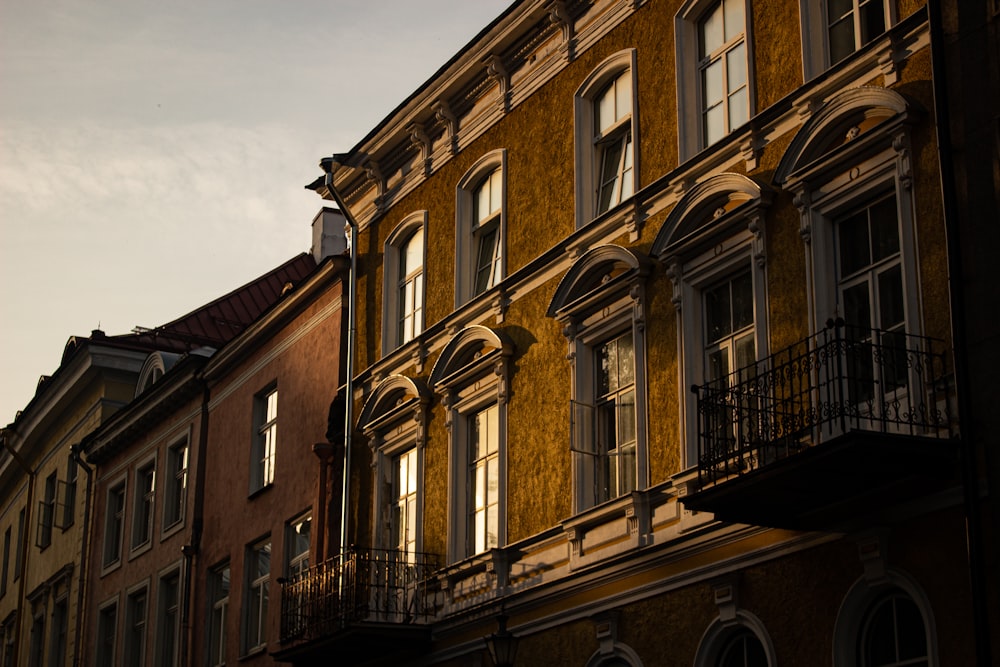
(587, 169)
(719, 631)
(816, 37)
(394, 243)
(465, 246)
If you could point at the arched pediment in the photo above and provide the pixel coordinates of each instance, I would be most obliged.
(711, 200)
(844, 118)
(468, 350)
(599, 270)
(390, 398)
(156, 366)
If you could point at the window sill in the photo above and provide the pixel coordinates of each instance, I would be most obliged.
(256, 492)
(255, 652)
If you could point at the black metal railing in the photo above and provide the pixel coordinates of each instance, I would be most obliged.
(839, 380)
(363, 585)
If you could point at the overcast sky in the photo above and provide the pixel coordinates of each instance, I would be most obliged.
(153, 153)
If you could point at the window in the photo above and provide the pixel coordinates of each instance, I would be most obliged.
(393, 419)
(17, 545)
(46, 513)
(472, 374)
(265, 440)
(599, 303)
(67, 508)
(860, 238)
(107, 628)
(258, 572)
(135, 628)
(7, 639)
(176, 484)
(298, 546)
(6, 562)
(218, 590)
(168, 619)
(404, 282)
(481, 227)
(713, 247)
(606, 132)
(484, 480)
(892, 633)
(740, 641)
(714, 94)
(142, 505)
(114, 521)
(60, 628)
(742, 649)
(834, 29)
(36, 640)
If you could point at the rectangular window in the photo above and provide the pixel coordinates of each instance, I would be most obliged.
(176, 484)
(615, 412)
(135, 628)
(6, 562)
(114, 522)
(168, 619)
(46, 513)
(298, 546)
(142, 508)
(258, 572)
(7, 638)
(722, 67)
(851, 24)
(872, 299)
(411, 287)
(265, 440)
(58, 633)
(218, 615)
(404, 515)
(17, 545)
(484, 479)
(66, 510)
(36, 645)
(107, 629)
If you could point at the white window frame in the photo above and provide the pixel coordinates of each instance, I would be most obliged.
(264, 448)
(599, 299)
(691, 132)
(218, 613)
(716, 231)
(143, 506)
(101, 657)
(392, 305)
(108, 548)
(588, 150)
(47, 512)
(254, 640)
(168, 640)
(472, 373)
(468, 229)
(816, 36)
(132, 654)
(175, 484)
(394, 421)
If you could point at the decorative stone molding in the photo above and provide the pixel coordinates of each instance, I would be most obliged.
(443, 114)
(418, 135)
(496, 71)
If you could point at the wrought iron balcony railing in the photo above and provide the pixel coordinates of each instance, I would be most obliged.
(364, 585)
(837, 381)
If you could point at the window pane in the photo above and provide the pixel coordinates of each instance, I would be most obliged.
(715, 125)
(872, 20)
(604, 116)
(841, 39)
(734, 18)
(711, 30)
(742, 301)
(890, 298)
(838, 9)
(626, 361)
(910, 630)
(626, 418)
(857, 306)
(717, 313)
(884, 229)
(623, 96)
(736, 67)
(854, 252)
(718, 365)
(712, 90)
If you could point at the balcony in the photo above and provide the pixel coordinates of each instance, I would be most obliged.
(369, 604)
(828, 433)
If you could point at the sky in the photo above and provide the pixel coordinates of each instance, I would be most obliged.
(153, 154)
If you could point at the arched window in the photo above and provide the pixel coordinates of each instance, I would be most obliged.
(892, 633)
(480, 228)
(606, 137)
(403, 311)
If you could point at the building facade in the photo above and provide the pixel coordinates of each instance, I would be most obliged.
(655, 358)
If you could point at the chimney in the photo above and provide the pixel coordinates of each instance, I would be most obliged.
(328, 234)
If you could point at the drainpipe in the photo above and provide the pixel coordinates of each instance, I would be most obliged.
(23, 537)
(969, 467)
(328, 166)
(75, 454)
